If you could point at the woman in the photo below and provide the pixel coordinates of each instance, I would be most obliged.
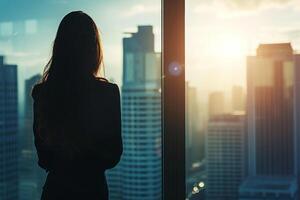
(77, 120)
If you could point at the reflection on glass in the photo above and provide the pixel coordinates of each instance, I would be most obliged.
(25, 40)
(241, 58)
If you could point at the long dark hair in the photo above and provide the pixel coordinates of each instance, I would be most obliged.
(77, 50)
(77, 57)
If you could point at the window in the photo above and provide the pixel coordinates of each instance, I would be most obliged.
(131, 33)
(242, 99)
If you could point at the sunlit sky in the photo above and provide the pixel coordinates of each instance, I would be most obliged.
(219, 33)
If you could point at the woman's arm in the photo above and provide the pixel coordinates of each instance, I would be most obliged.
(106, 147)
(43, 152)
(113, 147)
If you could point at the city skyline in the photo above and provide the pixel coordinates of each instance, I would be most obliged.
(225, 34)
(139, 82)
(227, 60)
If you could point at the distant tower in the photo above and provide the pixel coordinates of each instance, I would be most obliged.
(224, 156)
(27, 140)
(8, 131)
(31, 175)
(237, 99)
(273, 132)
(216, 103)
(193, 137)
(138, 176)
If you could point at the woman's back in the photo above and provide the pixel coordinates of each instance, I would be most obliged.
(77, 119)
(84, 141)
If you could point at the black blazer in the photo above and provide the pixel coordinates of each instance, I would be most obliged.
(97, 142)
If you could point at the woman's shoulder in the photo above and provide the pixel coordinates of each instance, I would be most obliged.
(104, 83)
(107, 91)
(37, 89)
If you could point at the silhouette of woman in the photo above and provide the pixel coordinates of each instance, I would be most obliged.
(77, 119)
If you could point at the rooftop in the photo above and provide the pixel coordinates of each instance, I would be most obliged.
(275, 49)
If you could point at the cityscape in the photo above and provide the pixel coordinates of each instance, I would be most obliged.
(248, 150)
(242, 95)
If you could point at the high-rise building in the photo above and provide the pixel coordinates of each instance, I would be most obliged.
(216, 104)
(194, 140)
(270, 110)
(224, 156)
(138, 176)
(237, 99)
(8, 131)
(272, 103)
(31, 175)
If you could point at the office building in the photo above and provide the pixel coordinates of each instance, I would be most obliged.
(8, 131)
(270, 110)
(224, 156)
(138, 175)
(194, 139)
(272, 117)
(216, 104)
(237, 98)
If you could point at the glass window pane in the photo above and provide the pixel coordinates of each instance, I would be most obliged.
(242, 110)
(131, 34)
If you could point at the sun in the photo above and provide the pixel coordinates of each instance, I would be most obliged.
(228, 46)
(231, 47)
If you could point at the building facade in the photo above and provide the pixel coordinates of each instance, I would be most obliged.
(194, 139)
(224, 156)
(272, 103)
(216, 103)
(8, 131)
(138, 176)
(237, 98)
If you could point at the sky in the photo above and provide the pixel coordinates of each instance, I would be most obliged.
(219, 34)
(28, 28)
(112, 17)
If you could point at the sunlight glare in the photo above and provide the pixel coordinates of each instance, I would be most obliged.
(228, 46)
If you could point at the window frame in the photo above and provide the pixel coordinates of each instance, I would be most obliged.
(173, 100)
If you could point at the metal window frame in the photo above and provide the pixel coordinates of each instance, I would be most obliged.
(173, 99)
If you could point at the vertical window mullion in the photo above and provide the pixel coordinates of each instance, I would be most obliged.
(173, 99)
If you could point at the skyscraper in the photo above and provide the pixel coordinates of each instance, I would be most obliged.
(216, 103)
(271, 118)
(224, 156)
(31, 175)
(270, 78)
(139, 172)
(194, 140)
(8, 131)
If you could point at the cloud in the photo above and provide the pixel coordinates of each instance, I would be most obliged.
(252, 4)
(233, 8)
(139, 9)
